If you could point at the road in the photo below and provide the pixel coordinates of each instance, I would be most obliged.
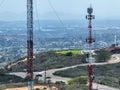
(114, 59)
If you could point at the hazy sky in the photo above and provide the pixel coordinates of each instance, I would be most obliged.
(102, 8)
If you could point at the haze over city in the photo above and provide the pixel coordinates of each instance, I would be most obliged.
(66, 9)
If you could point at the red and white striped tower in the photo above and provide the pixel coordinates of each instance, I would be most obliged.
(30, 44)
(90, 40)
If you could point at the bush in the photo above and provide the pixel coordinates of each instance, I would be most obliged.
(60, 83)
(69, 54)
(44, 88)
(79, 80)
(37, 89)
(40, 82)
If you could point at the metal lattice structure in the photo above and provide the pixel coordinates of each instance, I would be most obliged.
(30, 44)
(90, 40)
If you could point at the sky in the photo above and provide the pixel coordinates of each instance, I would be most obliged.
(103, 9)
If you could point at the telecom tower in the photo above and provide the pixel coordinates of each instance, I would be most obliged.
(90, 40)
(30, 44)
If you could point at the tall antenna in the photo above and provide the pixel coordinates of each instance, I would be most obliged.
(115, 40)
(90, 40)
(30, 44)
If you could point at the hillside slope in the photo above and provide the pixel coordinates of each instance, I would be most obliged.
(48, 60)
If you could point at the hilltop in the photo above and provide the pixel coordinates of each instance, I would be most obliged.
(50, 60)
(56, 59)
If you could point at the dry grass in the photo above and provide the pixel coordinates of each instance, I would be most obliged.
(26, 88)
(16, 62)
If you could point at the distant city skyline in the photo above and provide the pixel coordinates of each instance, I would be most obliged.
(76, 9)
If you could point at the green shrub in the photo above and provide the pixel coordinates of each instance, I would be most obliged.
(60, 83)
(37, 89)
(40, 82)
(69, 54)
(79, 80)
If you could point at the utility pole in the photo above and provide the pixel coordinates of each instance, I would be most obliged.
(30, 44)
(90, 40)
(45, 76)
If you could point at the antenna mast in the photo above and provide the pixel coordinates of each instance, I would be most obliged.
(90, 40)
(115, 40)
(30, 44)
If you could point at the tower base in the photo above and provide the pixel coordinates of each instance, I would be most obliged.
(30, 85)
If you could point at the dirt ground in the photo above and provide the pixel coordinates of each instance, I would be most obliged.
(40, 87)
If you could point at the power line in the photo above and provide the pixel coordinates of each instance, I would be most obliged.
(39, 27)
(37, 15)
(54, 10)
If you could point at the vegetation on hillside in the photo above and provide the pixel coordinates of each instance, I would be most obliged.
(109, 81)
(12, 85)
(103, 55)
(111, 70)
(6, 78)
(71, 52)
(50, 60)
(78, 80)
(72, 72)
(104, 74)
(57, 59)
